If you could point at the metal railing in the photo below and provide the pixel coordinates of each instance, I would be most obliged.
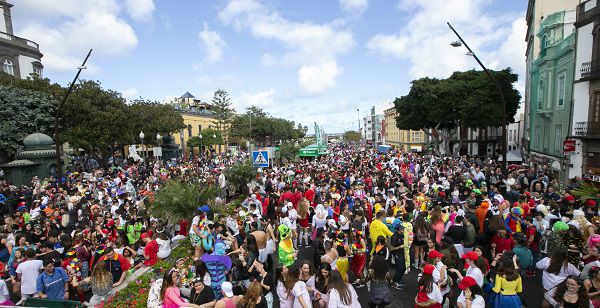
(587, 129)
(19, 40)
(590, 69)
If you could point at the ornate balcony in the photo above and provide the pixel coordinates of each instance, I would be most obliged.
(587, 129)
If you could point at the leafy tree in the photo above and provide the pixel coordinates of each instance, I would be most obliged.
(154, 118)
(465, 99)
(24, 112)
(27, 104)
(95, 118)
(223, 112)
(176, 200)
(207, 139)
(264, 129)
(239, 175)
(352, 136)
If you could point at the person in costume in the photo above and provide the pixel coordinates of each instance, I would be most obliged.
(342, 264)
(513, 222)
(360, 255)
(286, 252)
(429, 294)
(199, 233)
(218, 265)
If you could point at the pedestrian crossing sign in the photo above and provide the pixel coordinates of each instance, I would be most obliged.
(260, 158)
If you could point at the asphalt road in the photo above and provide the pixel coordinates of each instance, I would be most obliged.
(532, 287)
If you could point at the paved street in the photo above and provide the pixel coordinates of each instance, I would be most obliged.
(532, 288)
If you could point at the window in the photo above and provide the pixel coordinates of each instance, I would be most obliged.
(595, 108)
(189, 131)
(543, 46)
(38, 71)
(199, 129)
(540, 95)
(558, 139)
(562, 77)
(546, 137)
(510, 135)
(7, 67)
(537, 136)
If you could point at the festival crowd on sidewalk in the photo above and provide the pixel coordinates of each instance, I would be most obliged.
(472, 231)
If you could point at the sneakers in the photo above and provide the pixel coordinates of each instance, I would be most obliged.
(397, 286)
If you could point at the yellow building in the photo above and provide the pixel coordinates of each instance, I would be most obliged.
(197, 116)
(408, 140)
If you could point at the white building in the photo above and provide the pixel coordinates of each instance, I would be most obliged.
(18, 56)
(372, 127)
(585, 128)
(515, 133)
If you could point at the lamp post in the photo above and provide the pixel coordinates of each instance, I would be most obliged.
(500, 92)
(158, 137)
(200, 148)
(58, 113)
(141, 135)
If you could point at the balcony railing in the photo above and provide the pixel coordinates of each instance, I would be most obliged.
(19, 40)
(587, 129)
(590, 69)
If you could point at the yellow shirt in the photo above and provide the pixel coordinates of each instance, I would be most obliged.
(506, 287)
(378, 228)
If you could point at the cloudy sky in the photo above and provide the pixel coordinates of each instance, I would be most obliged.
(309, 60)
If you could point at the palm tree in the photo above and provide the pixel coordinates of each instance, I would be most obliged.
(178, 200)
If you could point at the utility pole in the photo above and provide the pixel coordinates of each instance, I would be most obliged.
(57, 114)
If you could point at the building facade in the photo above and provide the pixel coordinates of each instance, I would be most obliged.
(585, 130)
(550, 24)
(515, 133)
(407, 140)
(551, 84)
(18, 56)
(197, 116)
(372, 127)
(477, 141)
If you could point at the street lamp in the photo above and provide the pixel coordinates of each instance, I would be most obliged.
(461, 42)
(200, 148)
(158, 137)
(141, 135)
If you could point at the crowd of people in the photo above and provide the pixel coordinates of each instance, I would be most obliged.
(310, 233)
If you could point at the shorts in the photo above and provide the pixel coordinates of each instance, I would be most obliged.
(265, 252)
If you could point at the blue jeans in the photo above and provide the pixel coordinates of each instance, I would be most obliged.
(400, 266)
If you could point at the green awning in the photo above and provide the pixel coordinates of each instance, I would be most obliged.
(312, 150)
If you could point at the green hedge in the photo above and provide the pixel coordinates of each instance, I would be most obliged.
(136, 292)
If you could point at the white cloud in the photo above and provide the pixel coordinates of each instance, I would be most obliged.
(260, 99)
(66, 31)
(308, 45)
(424, 40)
(140, 10)
(213, 45)
(316, 79)
(358, 6)
(130, 93)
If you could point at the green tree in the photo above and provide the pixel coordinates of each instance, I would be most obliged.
(95, 118)
(28, 107)
(23, 112)
(264, 129)
(352, 136)
(210, 137)
(239, 175)
(223, 112)
(154, 118)
(466, 99)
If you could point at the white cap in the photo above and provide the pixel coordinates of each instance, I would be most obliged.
(227, 288)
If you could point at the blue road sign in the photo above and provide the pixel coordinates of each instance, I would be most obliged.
(260, 158)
